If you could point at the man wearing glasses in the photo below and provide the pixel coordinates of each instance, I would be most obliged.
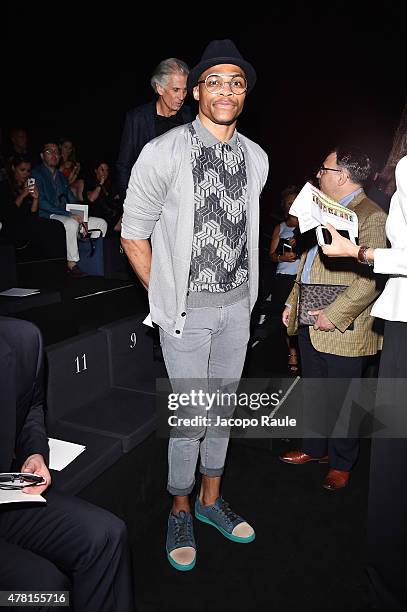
(343, 334)
(55, 194)
(196, 191)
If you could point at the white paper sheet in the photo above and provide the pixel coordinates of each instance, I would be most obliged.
(62, 453)
(19, 292)
(17, 496)
(79, 209)
(148, 321)
(313, 208)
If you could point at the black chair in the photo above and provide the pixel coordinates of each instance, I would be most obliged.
(101, 453)
(131, 355)
(80, 394)
(8, 279)
(8, 267)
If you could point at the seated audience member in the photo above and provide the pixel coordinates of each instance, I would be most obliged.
(287, 261)
(54, 194)
(19, 213)
(70, 167)
(65, 544)
(19, 145)
(103, 197)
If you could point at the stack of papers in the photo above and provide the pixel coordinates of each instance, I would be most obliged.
(314, 208)
(62, 453)
(19, 292)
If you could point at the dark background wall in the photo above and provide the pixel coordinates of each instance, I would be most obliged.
(326, 73)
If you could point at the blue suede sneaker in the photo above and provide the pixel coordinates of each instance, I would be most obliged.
(231, 525)
(181, 547)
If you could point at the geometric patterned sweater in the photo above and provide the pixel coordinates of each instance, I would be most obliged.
(219, 260)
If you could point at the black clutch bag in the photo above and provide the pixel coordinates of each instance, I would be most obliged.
(315, 297)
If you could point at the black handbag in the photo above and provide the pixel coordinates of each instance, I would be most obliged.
(313, 296)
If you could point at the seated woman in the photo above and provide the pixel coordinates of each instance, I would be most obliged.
(70, 167)
(283, 252)
(19, 213)
(102, 196)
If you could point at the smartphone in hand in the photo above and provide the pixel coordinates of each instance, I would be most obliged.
(31, 183)
(324, 236)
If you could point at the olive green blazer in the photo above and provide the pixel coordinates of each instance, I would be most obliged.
(355, 303)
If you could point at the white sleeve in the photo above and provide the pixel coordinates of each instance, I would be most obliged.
(390, 261)
(146, 193)
(394, 260)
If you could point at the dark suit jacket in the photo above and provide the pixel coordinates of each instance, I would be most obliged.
(139, 129)
(22, 428)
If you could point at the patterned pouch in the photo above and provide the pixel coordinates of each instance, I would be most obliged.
(313, 296)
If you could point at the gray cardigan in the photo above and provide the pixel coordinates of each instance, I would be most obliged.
(160, 203)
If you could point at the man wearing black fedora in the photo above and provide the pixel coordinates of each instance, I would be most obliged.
(195, 190)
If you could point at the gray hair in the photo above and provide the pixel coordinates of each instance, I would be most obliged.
(165, 69)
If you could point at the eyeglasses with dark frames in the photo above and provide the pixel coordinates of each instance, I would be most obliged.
(323, 169)
(14, 481)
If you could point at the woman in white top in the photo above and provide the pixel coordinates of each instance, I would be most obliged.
(387, 512)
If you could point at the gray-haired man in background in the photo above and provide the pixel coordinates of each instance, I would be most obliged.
(145, 122)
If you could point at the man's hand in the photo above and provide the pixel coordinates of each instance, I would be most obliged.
(35, 464)
(286, 315)
(322, 323)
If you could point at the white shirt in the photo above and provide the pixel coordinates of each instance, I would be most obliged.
(392, 303)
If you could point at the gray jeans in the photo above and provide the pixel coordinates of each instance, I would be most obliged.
(212, 349)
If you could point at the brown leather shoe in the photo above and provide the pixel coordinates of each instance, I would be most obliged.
(297, 457)
(76, 272)
(336, 479)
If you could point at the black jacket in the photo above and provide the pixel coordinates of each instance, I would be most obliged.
(139, 129)
(22, 428)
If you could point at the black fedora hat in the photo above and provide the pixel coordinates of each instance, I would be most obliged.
(221, 52)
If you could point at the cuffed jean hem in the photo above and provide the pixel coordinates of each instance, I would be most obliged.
(174, 491)
(211, 472)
